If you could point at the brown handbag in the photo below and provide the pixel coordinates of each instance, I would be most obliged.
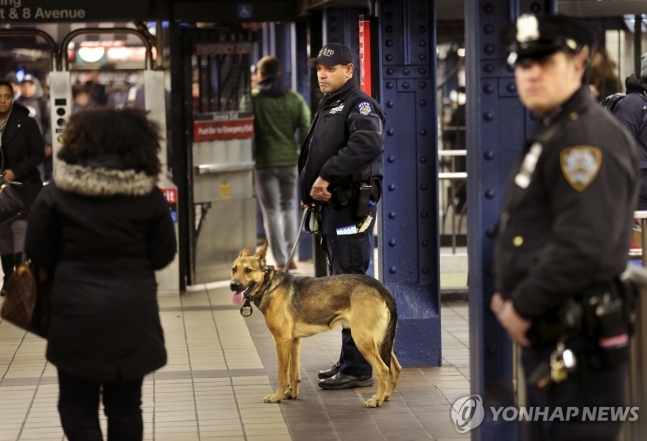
(27, 303)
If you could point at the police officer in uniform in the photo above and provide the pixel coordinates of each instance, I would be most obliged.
(340, 176)
(564, 230)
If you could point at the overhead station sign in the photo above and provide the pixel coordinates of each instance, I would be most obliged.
(32, 11)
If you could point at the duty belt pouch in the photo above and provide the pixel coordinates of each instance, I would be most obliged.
(362, 199)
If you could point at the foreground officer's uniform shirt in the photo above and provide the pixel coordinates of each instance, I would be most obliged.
(567, 211)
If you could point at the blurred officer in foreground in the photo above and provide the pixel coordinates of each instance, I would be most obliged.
(564, 235)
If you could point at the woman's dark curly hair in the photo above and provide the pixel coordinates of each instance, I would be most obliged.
(128, 133)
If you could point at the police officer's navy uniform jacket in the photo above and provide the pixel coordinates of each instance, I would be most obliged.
(568, 208)
(344, 141)
(632, 111)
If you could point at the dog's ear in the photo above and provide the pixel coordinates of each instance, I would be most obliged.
(260, 254)
(245, 252)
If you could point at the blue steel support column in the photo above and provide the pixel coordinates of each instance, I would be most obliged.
(284, 48)
(409, 207)
(342, 26)
(497, 125)
(303, 87)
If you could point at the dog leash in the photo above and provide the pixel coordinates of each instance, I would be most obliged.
(296, 241)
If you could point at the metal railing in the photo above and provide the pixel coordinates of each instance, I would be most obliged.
(636, 385)
(454, 178)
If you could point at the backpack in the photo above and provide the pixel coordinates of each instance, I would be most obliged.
(611, 103)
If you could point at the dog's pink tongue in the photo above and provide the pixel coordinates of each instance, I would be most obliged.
(237, 298)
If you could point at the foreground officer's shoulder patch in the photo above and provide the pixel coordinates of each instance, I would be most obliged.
(580, 165)
(365, 108)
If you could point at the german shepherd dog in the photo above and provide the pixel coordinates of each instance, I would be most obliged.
(296, 307)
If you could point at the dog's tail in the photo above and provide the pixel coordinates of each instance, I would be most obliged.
(386, 347)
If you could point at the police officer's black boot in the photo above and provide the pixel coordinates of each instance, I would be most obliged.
(8, 263)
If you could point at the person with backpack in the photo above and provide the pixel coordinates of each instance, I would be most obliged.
(631, 111)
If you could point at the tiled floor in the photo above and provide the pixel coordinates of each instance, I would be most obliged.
(222, 365)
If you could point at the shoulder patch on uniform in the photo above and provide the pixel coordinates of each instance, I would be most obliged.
(365, 108)
(580, 165)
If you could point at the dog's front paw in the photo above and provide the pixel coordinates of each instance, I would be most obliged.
(290, 394)
(372, 402)
(272, 399)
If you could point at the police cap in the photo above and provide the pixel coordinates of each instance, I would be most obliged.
(533, 37)
(331, 55)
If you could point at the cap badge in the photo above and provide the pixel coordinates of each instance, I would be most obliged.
(326, 52)
(527, 28)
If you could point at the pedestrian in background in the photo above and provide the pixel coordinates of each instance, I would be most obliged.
(100, 229)
(281, 117)
(22, 152)
(631, 111)
(33, 98)
(564, 234)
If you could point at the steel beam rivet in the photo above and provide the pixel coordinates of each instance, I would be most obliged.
(422, 43)
(423, 187)
(390, 132)
(489, 49)
(424, 215)
(422, 132)
(391, 159)
(488, 115)
(535, 8)
(391, 187)
(405, 85)
(389, 29)
(511, 87)
(390, 104)
(389, 57)
(489, 155)
(422, 71)
(422, 15)
(389, 85)
(489, 232)
(422, 29)
(422, 103)
(490, 193)
(388, 43)
(392, 215)
(489, 68)
(389, 71)
(422, 57)
(488, 88)
(425, 270)
(509, 67)
(425, 243)
(488, 8)
(423, 159)
(388, 15)
(392, 243)
(406, 71)
(488, 28)
(422, 84)
(393, 270)
(333, 30)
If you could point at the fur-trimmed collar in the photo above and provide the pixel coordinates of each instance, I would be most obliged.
(99, 181)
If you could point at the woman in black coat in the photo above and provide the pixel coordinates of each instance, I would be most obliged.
(101, 228)
(22, 150)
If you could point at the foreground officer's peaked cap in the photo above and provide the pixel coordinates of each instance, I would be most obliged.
(331, 55)
(533, 37)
